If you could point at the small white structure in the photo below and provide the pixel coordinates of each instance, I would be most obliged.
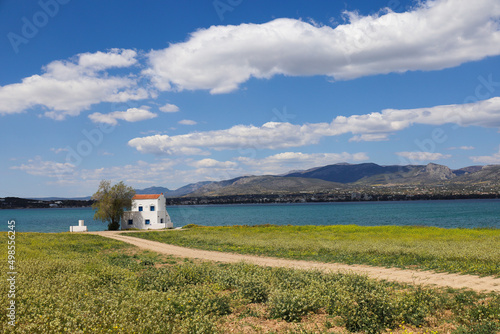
(80, 228)
(147, 212)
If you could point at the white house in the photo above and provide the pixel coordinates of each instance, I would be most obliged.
(147, 212)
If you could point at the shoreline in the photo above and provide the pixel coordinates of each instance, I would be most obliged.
(466, 213)
(274, 199)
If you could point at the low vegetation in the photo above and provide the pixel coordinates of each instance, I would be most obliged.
(468, 251)
(89, 284)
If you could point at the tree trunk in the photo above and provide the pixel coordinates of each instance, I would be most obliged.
(114, 225)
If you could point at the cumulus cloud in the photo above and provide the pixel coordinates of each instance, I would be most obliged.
(271, 135)
(187, 122)
(435, 35)
(276, 135)
(69, 86)
(423, 156)
(169, 108)
(488, 159)
(130, 115)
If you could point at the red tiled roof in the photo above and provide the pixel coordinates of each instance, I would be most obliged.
(147, 196)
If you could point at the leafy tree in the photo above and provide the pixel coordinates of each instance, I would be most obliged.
(111, 202)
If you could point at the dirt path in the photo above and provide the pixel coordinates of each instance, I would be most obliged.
(391, 274)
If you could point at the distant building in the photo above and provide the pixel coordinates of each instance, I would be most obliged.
(147, 212)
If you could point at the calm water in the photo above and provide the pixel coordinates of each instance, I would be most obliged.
(457, 213)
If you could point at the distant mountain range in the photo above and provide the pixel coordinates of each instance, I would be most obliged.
(337, 176)
(173, 193)
(345, 175)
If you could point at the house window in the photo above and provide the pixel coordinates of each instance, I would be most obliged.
(161, 220)
(147, 222)
(140, 208)
(152, 208)
(130, 222)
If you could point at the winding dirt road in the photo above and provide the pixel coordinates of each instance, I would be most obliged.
(391, 274)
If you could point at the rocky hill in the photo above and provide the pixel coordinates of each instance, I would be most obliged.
(428, 174)
(268, 184)
(372, 174)
(486, 175)
(356, 176)
(348, 173)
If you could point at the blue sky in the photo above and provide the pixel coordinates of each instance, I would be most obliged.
(166, 93)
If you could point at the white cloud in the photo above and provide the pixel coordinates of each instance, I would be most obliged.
(423, 156)
(270, 135)
(169, 108)
(214, 170)
(100, 61)
(133, 174)
(212, 163)
(104, 153)
(370, 137)
(137, 173)
(58, 150)
(287, 161)
(368, 127)
(187, 122)
(40, 167)
(131, 115)
(434, 35)
(483, 113)
(488, 159)
(164, 172)
(68, 87)
(465, 148)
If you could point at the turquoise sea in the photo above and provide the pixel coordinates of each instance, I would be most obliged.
(447, 214)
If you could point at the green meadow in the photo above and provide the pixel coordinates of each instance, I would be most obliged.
(80, 283)
(468, 251)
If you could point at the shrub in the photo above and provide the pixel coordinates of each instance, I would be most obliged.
(191, 226)
(291, 305)
(365, 306)
(153, 279)
(488, 327)
(198, 300)
(65, 288)
(254, 291)
(415, 305)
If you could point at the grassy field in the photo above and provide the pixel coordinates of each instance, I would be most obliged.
(79, 283)
(471, 251)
